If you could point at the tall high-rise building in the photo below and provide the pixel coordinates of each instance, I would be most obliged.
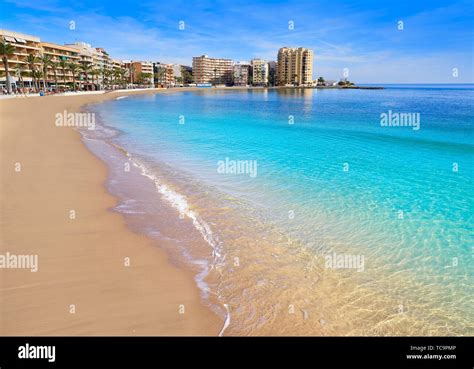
(104, 60)
(54, 72)
(259, 72)
(211, 70)
(18, 62)
(295, 66)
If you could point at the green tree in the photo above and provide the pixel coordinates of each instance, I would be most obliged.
(108, 77)
(36, 75)
(160, 75)
(118, 77)
(345, 83)
(63, 66)
(144, 78)
(32, 60)
(73, 68)
(86, 70)
(46, 62)
(55, 66)
(187, 75)
(7, 50)
(123, 77)
(131, 71)
(20, 72)
(102, 71)
(94, 73)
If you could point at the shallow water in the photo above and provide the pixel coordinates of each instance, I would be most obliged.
(392, 205)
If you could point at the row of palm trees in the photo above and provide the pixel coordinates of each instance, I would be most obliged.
(38, 71)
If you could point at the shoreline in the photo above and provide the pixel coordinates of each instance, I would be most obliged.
(184, 89)
(82, 286)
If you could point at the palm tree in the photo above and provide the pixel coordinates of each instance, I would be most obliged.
(145, 78)
(20, 72)
(86, 69)
(46, 61)
(73, 67)
(54, 66)
(117, 77)
(32, 60)
(63, 66)
(36, 75)
(95, 76)
(92, 74)
(108, 77)
(7, 50)
(121, 76)
(102, 71)
(160, 76)
(132, 73)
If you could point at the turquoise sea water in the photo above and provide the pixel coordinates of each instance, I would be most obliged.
(329, 179)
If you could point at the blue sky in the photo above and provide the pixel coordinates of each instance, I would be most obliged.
(362, 36)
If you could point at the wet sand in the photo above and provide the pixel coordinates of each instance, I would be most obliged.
(84, 285)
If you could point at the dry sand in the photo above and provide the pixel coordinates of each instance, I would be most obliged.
(81, 260)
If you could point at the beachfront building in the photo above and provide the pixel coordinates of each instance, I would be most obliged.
(90, 61)
(58, 73)
(103, 58)
(212, 70)
(87, 53)
(241, 73)
(95, 68)
(164, 74)
(295, 66)
(259, 72)
(130, 74)
(96, 65)
(104, 65)
(117, 65)
(139, 72)
(143, 72)
(18, 66)
(118, 75)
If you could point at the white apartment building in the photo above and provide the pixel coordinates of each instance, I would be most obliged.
(212, 70)
(295, 66)
(259, 72)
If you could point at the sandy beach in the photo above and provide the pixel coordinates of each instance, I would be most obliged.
(83, 285)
